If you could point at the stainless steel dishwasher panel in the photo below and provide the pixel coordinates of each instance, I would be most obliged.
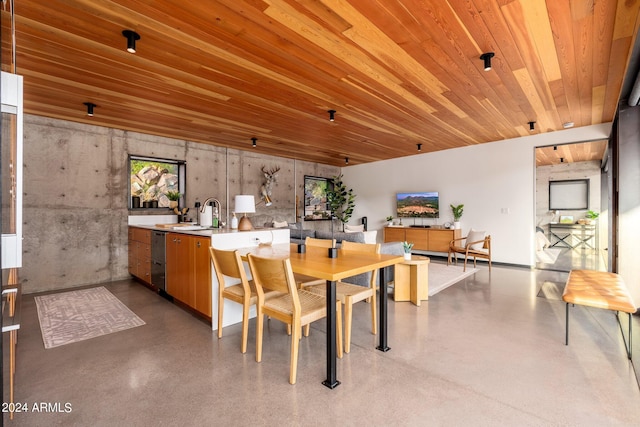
(158, 257)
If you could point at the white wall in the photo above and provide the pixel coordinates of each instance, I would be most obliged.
(629, 198)
(494, 181)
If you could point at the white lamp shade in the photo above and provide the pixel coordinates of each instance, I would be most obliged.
(245, 204)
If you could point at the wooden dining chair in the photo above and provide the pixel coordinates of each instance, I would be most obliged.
(303, 280)
(228, 265)
(294, 307)
(320, 243)
(349, 293)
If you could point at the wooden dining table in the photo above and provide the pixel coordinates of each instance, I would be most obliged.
(315, 262)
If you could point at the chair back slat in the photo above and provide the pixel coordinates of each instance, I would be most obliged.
(487, 242)
(371, 248)
(320, 243)
(226, 263)
(274, 274)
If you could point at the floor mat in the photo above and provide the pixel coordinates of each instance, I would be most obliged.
(74, 316)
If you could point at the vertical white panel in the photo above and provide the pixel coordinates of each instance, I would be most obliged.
(12, 103)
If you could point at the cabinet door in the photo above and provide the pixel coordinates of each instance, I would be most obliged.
(202, 275)
(439, 240)
(144, 261)
(133, 258)
(178, 274)
(394, 234)
(419, 237)
(142, 235)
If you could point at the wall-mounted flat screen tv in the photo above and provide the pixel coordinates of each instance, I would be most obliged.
(569, 195)
(418, 205)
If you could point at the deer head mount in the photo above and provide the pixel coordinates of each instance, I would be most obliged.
(265, 190)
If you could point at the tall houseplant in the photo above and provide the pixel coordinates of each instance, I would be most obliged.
(341, 200)
(457, 214)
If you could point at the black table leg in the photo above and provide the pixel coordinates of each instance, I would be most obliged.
(331, 381)
(566, 328)
(382, 313)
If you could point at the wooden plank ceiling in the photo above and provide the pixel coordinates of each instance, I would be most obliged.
(398, 72)
(571, 153)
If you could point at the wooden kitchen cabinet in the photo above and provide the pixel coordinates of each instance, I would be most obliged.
(423, 239)
(202, 275)
(394, 234)
(188, 270)
(177, 263)
(140, 253)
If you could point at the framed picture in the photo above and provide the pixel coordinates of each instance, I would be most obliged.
(316, 207)
(566, 219)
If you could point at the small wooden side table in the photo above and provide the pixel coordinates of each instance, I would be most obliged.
(412, 280)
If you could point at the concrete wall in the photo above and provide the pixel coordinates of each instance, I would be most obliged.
(494, 181)
(76, 195)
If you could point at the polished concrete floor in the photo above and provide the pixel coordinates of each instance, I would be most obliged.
(576, 259)
(486, 351)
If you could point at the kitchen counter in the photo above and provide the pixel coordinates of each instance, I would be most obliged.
(225, 238)
(197, 230)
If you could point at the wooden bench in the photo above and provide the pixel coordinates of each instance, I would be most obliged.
(598, 289)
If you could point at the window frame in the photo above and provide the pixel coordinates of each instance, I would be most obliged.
(182, 179)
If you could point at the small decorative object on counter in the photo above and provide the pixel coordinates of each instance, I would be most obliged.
(389, 220)
(234, 222)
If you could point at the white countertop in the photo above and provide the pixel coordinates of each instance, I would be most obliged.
(186, 229)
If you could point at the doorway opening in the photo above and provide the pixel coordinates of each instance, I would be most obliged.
(572, 199)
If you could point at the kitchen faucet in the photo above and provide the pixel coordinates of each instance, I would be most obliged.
(216, 203)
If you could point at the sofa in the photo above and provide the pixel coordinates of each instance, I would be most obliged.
(298, 235)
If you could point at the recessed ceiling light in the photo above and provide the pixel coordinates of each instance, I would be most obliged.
(567, 125)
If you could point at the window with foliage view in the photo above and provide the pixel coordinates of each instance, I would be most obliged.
(151, 179)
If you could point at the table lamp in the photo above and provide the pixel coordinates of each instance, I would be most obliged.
(245, 204)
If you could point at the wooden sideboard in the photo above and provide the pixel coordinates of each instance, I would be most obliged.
(423, 239)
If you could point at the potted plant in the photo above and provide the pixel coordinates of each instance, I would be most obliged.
(407, 250)
(341, 201)
(173, 197)
(457, 214)
(591, 216)
(389, 220)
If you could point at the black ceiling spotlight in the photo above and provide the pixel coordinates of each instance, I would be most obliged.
(486, 57)
(532, 126)
(332, 115)
(131, 36)
(346, 160)
(555, 148)
(419, 147)
(561, 159)
(254, 142)
(90, 107)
